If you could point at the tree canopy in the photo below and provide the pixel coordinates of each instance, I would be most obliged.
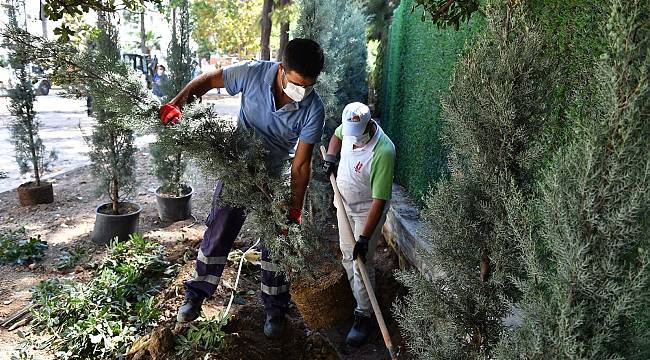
(231, 26)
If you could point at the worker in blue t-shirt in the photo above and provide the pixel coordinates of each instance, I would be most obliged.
(279, 104)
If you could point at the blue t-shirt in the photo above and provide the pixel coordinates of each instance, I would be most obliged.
(279, 129)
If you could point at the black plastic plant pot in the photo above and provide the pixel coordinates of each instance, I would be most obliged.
(108, 226)
(174, 208)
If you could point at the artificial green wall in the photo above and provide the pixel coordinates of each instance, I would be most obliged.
(417, 69)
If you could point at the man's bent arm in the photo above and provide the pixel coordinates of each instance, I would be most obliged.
(376, 210)
(199, 86)
(300, 173)
(335, 146)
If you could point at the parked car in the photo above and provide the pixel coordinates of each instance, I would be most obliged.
(139, 63)
(38, 75)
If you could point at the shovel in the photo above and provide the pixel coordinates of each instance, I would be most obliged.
(362, 268)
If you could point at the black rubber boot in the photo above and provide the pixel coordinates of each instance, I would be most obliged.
(189, 311)
(274, 326)
(359, 331)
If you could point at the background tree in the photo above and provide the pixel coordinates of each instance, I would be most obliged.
(340, 28)
(266, 25)
(111, 143)
(29, 149)
(586, 248)
(451, 13)
(227, 26)
(169, 160)
(496, 109)
(58, 9)
(283, 8)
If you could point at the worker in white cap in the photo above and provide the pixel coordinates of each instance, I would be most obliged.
(365, 180)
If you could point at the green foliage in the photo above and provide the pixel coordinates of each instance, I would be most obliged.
(495, 110)
(449, 13)
(586, 251)
(29, 149)
(238, 158)
(201, 336)
(227, 26)
(99, 319)
(168, 159)
(73, 9)
(573, 33)
(416, 75)
(111, 143)
(70, 257)
(339, 27)
(16, 248)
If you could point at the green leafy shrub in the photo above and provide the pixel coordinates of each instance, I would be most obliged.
(418, 67)
(16, 248)
(99, 319)
(70, 257)
(201, 336)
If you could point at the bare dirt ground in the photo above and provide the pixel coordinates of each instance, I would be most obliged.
(68, 222)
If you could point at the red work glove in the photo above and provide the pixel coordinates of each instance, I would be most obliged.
(293, 217)
(169, 114)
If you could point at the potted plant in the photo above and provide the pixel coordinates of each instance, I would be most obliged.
(112, 149)
(30, 151)
(173, 196)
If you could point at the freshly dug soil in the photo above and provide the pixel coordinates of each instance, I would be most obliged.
(185, 190)
(325, 300)
(246, 340)
(122, 209)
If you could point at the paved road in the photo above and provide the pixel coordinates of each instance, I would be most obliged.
(63, 123)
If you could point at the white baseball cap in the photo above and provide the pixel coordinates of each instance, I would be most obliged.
(355, 118)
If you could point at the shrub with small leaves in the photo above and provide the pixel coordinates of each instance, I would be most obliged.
(16, 248)
(98, 319)
(201, 336)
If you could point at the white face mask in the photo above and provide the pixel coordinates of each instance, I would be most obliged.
(360, 140)
(295, 92)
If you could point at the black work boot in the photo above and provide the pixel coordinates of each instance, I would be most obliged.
(359, 331)
(274, 326)
(189, 311)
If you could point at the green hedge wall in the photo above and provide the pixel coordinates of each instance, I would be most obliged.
(417, 69)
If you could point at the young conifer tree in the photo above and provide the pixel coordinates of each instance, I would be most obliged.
(340, 28)
(169, 160)
(112, 149)
(587, 258)
(29, 149)
(495, 110)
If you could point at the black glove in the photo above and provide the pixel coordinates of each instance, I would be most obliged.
(361, 248)
(330, 165)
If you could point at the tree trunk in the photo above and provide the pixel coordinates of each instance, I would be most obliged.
(177, 173)
(265, 52)
(43, 20)
(284, 30)
(32, 146)
(143, 35)
(114, 186)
